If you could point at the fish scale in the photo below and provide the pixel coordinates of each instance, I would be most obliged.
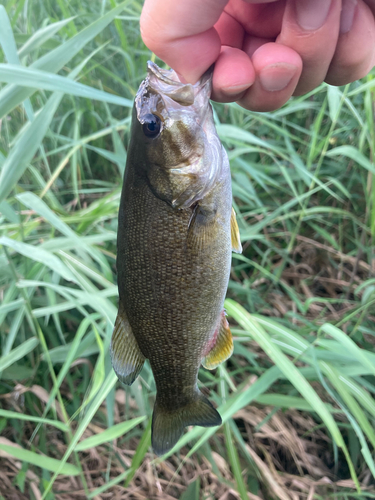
(175, 237)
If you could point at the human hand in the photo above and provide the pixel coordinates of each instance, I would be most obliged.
(264, 51)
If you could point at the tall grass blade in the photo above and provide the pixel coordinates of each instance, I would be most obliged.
(41, 36)
(39, 255)
(109, 434)
(47, 463)
(31, 418)
(285, 365)
(26, 146)
(18, 352)
(37, 79)
(12, 95)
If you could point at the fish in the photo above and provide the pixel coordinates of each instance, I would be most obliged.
(176, 233)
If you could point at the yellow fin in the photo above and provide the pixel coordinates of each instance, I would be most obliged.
(235, 233)
(127, 358)
(223, 347)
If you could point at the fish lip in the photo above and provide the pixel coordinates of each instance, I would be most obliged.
(170, 76)
(165, 85)
(165, 75)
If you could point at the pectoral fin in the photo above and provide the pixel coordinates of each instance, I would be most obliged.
(235, 233)
(127, 358)
(202, 229)
(223, 347)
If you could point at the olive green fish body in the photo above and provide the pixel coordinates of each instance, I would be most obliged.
(173, 262)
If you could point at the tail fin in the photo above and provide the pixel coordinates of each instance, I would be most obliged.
(168, 426)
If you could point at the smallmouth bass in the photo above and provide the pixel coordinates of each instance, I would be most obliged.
(176, 232)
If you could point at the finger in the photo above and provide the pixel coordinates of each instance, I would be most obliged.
(355, 51)
(260, 1)
(233, 74)
(371, 4)
(252, 43)
(181, 33)
(277, 69)
(230, 30)
(259, 20)
(311, 28)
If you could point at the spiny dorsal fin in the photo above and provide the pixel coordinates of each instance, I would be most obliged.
(127, 359)
(235, 233)
(222, 348)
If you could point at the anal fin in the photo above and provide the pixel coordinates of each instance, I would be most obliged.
(127, 358)
(223, 347)
(235, 233)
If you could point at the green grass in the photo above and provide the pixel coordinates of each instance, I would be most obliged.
(297, 397)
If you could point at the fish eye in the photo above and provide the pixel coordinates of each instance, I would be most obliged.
(151, 125)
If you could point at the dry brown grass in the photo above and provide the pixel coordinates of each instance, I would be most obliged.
(293, 457)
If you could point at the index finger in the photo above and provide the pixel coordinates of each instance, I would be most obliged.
(181, 33)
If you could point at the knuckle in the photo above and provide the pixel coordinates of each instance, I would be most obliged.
(260, 105)
(348, 70)
(152, 34)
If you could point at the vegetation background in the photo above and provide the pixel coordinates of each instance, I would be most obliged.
(297, 397)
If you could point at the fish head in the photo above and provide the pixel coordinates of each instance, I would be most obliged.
(175, 137)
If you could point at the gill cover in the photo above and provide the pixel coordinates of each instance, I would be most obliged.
(184, 159)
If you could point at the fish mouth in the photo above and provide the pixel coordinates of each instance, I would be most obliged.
(162, 88)
(167, 82)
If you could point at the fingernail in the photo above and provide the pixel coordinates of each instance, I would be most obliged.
(236, 89)
(311, 14)
(347, 15)
(276, 77)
